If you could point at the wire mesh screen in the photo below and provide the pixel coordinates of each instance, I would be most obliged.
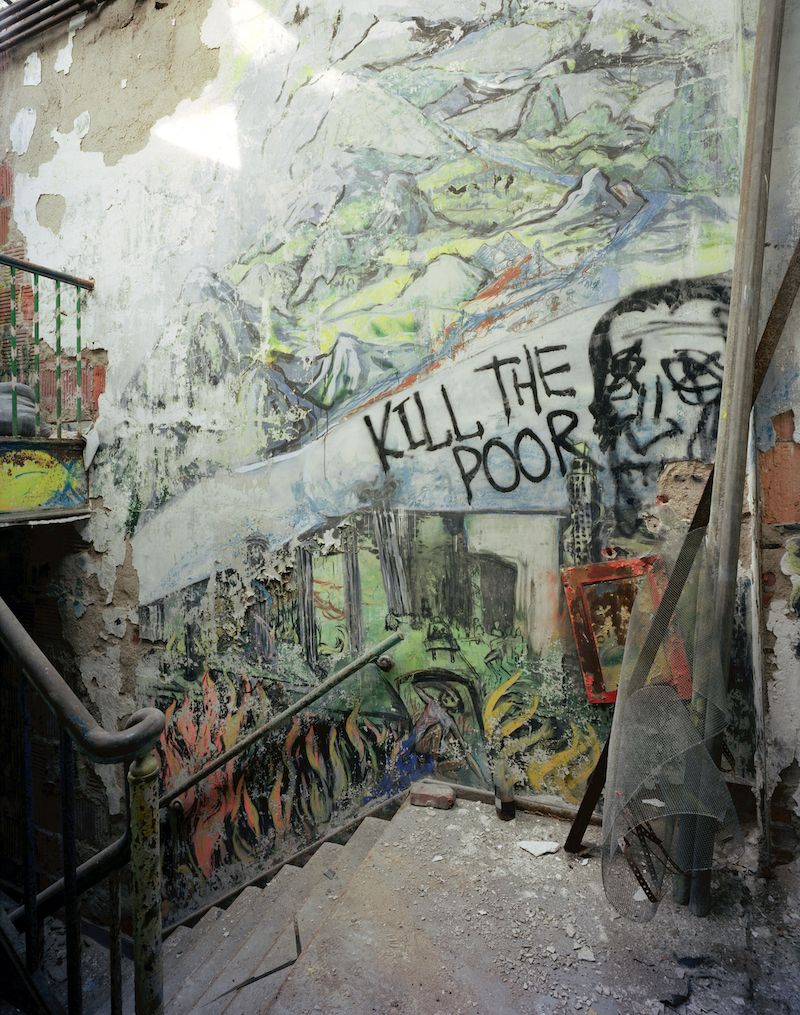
(665, 797)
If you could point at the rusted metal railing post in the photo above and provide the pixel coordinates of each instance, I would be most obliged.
(146, 877)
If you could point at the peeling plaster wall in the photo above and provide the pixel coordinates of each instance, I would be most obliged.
(777, 435)
(316, 233)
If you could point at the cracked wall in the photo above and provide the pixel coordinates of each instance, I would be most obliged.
(363, 300)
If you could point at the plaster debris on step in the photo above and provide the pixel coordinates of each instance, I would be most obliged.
(539, 847)
(654, 803)
(437, 858)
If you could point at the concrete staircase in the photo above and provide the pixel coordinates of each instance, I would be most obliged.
(256, 933)
(440, 912)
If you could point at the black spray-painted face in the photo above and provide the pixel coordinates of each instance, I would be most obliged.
(657, 360)
(664, 376)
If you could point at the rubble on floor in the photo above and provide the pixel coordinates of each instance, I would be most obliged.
(448, 916)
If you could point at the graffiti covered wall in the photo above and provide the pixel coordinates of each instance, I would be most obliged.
(407, 310)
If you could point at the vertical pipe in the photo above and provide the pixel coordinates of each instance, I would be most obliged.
(13, 323)
(78, 364)
(115, 951)
(58, 358)
(146, 876)
(30, 871)
(36, 386)
(725, 518)
(72, 916)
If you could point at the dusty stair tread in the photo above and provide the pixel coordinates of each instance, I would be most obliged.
(219, 939)
(175, 954)
(263, 936)
(374, 953)
(176, 942)
(206, 937)
(320, 901)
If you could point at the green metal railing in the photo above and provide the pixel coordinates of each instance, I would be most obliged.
(59, 279)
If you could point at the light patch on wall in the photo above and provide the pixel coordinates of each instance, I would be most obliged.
(80, 128)
(208, 133)
(256, 33)
(50, 210)
(22, 128)
(32, 70)
(64, 55)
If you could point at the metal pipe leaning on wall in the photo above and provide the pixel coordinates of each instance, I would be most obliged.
(313, 695)
(725, 519)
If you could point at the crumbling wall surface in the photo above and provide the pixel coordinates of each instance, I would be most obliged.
(404, 313)
(91, 91)
(777, 438)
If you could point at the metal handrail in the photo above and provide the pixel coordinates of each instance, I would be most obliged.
(38, 269)
(102, 746)
(90, 873)
(307, 699)
(141, 839)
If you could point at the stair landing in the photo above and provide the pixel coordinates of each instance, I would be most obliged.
(449, 916)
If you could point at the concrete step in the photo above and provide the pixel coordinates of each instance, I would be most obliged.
(320, 901)
(216, 939)
(263, 935)
(383, 947)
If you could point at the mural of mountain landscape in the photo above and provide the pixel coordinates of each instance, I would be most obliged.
(485, 306)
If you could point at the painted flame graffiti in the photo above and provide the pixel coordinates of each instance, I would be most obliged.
(291, 787)
(562, 772)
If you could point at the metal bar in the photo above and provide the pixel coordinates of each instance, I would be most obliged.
(78, 365)
(58, 358)
(724, 526)
(37, 392)
(38, 269)
(90, 873)
(20, 7)
(72, 915)
(594, 787)
(278, 720)
(760, 697)
(13, 326)
(35, 14)
(146, 877)
(144, 728)
(30, 867)
(18, 33)
(115, 950)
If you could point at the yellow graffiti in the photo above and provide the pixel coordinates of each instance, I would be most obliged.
(565, 780)
(353, 733)
(250, 811)
(545, 732)
(493, 710)
(31, 479)
(340, 776)
(514, 724)
(580, 774)
(274, 805)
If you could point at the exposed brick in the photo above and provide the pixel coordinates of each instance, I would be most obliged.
(5, 182)
(433, 794)
(780, 474)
